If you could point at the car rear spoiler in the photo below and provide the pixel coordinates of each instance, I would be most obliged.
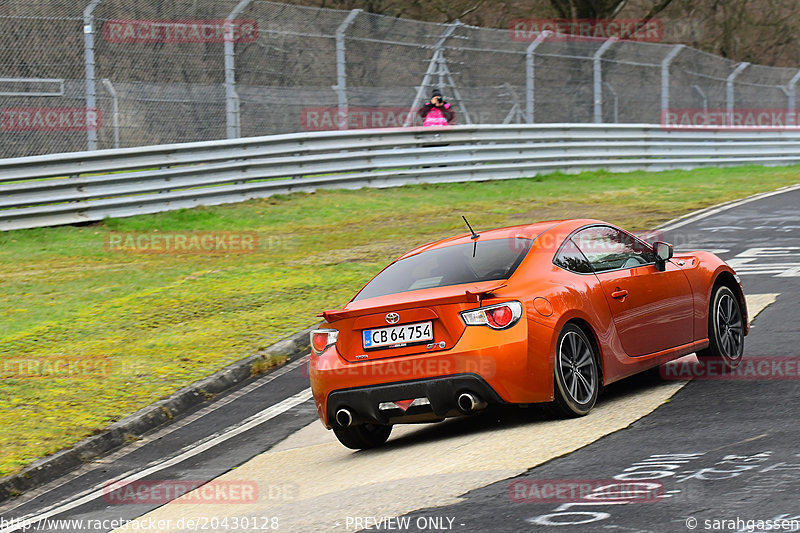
(472, 295)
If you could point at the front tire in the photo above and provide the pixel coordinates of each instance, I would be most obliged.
(725, 329)
(363, 436)
(577, 376)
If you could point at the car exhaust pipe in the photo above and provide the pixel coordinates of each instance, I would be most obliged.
(469, 403)
(344, 417)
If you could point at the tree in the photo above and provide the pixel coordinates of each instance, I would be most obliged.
(602, 9)
(497, 13)
(759, 31)
(763, 31)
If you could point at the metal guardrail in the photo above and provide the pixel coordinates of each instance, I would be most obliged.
(80, 187)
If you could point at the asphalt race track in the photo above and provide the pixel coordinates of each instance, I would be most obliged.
(722, 450)
(711, 450)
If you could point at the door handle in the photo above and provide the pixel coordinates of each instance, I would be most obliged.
(619, 293)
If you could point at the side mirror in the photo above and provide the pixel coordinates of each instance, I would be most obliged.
(663, 252)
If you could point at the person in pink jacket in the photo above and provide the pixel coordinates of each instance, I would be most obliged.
(437, 112)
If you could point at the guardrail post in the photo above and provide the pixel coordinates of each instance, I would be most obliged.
(341, 68)
(670, 57)
(231, 98)
(115, 109)
(729, 102)
(88, 57)
(529, 73)
(598, 79)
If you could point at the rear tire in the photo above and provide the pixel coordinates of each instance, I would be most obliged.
(577, 376)
(725, 329)
(363, 436)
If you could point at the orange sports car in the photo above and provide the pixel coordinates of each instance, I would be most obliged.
(546, 312)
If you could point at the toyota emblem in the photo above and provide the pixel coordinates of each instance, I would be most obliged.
(392, 318)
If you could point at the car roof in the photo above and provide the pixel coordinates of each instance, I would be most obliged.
(523, 231)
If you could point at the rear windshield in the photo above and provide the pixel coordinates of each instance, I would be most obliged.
(494, 259)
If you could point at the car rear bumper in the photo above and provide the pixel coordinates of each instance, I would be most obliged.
(435, 399)
(511, 366)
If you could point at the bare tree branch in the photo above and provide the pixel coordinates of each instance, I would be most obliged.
(563, 8)
(471, 9)
(620, 7)
(656, 9)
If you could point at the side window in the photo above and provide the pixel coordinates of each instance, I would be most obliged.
(570, 258)
(608, 248)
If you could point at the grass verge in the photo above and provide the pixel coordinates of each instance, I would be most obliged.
(144, 325)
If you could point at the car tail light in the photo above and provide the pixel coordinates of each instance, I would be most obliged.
(500, 317)
(321, 339)
(497, 316)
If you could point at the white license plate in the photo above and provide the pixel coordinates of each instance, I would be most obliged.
(397, 336)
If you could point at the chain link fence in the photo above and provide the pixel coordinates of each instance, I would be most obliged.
(95, 74)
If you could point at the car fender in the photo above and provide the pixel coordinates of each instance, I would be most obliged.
(583, 302)
(704, 269)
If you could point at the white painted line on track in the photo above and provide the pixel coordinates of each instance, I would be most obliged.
(267, 414)
(713, 210)
(158, 434)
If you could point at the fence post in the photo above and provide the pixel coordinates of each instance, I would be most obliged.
(598, 79)
(792, 93)
(729, 102)
(529, 73)
(341, 68)
(88, 57)
(231, 98)
(114, 108)
(665, 77)
(616, 100)
(705, 102)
